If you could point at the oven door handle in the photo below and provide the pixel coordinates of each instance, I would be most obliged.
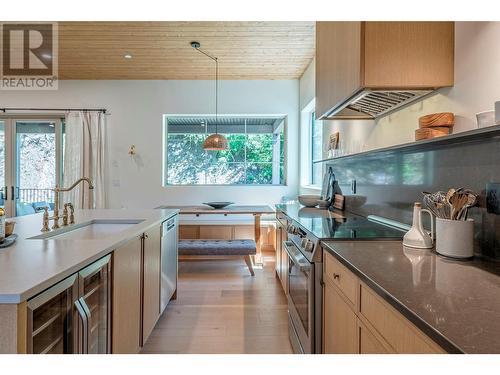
(296, 256)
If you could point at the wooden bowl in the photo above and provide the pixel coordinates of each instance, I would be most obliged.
(443, 119)
(429, 133)
(9, 228)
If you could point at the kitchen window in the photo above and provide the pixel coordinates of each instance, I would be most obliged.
(256, 154)
(311, 148)
(316, 150)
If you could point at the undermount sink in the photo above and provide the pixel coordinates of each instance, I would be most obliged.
(91, 230)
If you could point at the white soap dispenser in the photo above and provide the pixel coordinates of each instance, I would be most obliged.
(417, 237)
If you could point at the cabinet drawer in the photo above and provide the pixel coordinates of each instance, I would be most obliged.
(340, 276)
(399, 333)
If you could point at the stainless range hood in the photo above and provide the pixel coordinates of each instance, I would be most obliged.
(372, 103)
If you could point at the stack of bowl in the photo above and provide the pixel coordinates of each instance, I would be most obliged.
(434, 125)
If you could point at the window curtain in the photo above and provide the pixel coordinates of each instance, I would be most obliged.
(85, 155)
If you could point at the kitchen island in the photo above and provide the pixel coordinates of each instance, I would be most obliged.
(38, 261)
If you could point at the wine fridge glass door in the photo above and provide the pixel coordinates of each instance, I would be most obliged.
(51, 319)
(94, 284)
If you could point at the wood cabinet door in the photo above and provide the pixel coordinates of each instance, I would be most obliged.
(127, 264)
(151, 281)
(409, 54)
(338, 63)
(368, 343)
(339, 324)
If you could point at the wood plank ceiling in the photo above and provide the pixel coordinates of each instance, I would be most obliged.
(161, 50)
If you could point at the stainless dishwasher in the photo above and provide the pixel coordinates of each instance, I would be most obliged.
(169, 241)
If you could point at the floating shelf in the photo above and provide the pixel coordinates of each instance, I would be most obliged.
(462, 137)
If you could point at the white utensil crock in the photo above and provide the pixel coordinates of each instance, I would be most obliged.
(455, 238)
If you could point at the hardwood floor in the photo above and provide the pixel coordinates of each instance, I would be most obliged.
(221, 309)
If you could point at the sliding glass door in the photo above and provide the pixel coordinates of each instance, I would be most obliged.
(30, 163)
(36, 166)
(3, 183)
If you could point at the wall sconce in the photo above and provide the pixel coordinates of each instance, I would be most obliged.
(132, 151)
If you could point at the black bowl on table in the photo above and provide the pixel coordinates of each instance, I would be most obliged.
(218, 205)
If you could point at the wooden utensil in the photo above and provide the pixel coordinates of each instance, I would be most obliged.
(443, 119)
(458, 201)
(471, 201)
(338, 202)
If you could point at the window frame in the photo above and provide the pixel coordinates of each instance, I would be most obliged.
(306, 149)
(165, 144)
(313, 122)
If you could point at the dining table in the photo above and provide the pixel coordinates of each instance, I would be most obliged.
(255, 210)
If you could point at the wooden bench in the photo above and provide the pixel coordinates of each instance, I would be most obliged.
(243, 248)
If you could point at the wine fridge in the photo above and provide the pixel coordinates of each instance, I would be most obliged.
(74, 315)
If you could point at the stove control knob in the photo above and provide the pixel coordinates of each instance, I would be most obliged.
(309, 246)
(303, 243)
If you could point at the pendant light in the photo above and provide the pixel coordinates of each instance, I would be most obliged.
(216, 141)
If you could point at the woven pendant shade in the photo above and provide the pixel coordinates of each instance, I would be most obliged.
(215, 142)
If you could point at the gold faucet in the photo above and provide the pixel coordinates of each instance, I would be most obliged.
(65, 215)
(55, 217)
(45, 226)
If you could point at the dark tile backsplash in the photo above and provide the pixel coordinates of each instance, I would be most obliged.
(389, 181)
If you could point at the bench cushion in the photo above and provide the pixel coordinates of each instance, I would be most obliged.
(217, 247)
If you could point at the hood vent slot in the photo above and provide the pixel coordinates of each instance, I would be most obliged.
(378, 103)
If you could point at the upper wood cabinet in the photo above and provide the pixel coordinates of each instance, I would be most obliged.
(356, 56)
(338, 63)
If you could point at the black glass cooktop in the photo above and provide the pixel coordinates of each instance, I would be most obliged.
(325, 224)
(357, 228)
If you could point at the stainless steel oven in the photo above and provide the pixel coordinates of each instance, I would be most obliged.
(301, 292)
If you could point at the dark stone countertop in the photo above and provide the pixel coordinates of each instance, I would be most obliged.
(456, 303)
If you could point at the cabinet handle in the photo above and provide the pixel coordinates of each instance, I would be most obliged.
(84, 320)
(336, 276)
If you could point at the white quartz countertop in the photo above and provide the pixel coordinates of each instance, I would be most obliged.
(32, 265)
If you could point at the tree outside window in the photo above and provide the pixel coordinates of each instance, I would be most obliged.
(256, 154)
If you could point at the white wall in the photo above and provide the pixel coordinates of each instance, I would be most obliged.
(307, 94)
(476, 88)
(137, 108)
(307, 85)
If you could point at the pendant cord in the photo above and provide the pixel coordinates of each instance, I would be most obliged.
(216, 85)
(216, 93)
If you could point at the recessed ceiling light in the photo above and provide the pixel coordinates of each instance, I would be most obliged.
(127, 56)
